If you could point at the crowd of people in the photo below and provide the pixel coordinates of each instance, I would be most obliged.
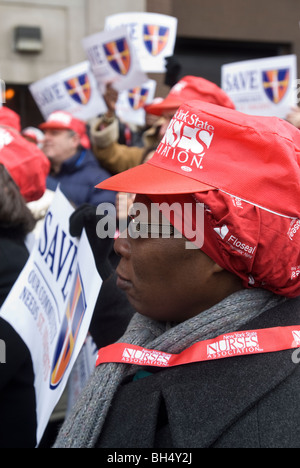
(240, 282)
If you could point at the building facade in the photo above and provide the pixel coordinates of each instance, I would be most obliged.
(41, 37)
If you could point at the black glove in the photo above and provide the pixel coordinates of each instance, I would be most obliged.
(85, 217)
(173, 69)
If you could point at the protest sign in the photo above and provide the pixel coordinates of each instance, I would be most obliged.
(263, 86)
(153, 35)
(113, 59)
(73, 90)
(83, 368)
(51, 305)
(130, 104)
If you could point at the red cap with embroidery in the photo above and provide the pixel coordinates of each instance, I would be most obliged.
(62, 120)
(9, 118)
(245, 170)
(26, 163)
(187, 89)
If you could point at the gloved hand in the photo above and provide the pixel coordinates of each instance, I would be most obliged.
(85, 217)
(173, 69)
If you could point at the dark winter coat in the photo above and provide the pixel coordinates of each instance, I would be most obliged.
(78, 177)
(239, 402)
(17, 394)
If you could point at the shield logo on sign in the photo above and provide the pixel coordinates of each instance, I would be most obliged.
(155, 38)
(118, 55)
(79, 88)
(276, 83)
(137, 97)
(75, 311)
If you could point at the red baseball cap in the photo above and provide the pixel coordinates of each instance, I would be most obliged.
(10, 118)
(34, 134)
(245, 170)
(62, 120)
(26, 163)
(187, 89)
(211, 147)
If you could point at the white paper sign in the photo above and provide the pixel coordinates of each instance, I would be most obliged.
(153, 35)
(113, 59)
(130, 104)
(51, 305)
(81, 371)
(264, 87)
(72, 90)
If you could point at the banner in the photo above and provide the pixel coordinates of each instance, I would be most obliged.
(153, 35)
(264, 87)
(51, 305)
(73, 90)
(113, 59)
(131, 103)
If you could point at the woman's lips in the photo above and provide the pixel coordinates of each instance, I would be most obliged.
(123, 283)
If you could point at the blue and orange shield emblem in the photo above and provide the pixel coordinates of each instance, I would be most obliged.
(79, 88)
(75, 311)
(276, 83)
(137, 97)
(155, 38)
(118, 55)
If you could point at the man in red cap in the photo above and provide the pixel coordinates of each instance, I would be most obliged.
(104, 131)
(73, 165)
(211, 357)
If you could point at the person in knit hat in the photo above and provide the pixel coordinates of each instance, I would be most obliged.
(211, 264)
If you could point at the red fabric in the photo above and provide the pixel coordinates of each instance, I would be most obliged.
(245, 169)
(61, 120)
(250, 157)
(10, 118)
(260, 247)
(25, 162)
(187, 89)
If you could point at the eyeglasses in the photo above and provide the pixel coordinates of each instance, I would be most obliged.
(146, 230)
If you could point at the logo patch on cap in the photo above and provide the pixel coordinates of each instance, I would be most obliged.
(186, 141)
(60, 117)
(5, 138)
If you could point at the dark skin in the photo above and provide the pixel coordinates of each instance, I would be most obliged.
(167, 282)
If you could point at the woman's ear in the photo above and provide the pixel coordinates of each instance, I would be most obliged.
(76, 140)
(217, 268)
(229, 282)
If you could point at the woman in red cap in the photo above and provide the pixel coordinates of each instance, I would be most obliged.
(211, 357)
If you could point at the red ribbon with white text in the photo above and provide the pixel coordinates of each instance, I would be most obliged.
(240, 343)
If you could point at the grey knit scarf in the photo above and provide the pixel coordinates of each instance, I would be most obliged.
(84, 425)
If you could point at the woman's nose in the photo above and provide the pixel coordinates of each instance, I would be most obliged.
(122, 245)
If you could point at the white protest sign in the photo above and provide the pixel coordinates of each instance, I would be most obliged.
(130, 104)
(81, 371)
(73, 90)
(153, 35)
(113, 59)
(264, 87)
(51, 305)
